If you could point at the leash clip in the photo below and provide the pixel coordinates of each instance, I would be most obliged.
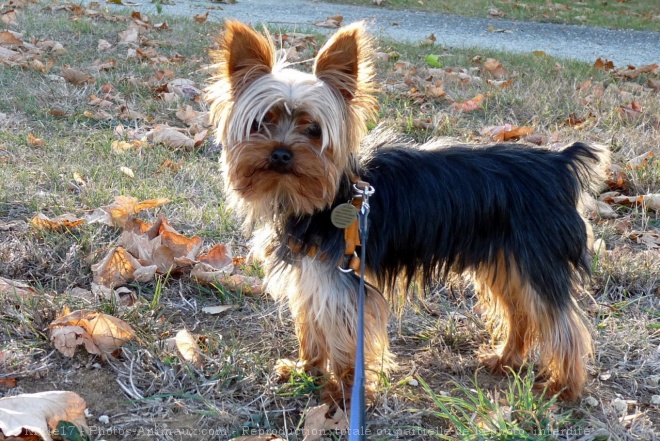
(347, 270)
(362, 189)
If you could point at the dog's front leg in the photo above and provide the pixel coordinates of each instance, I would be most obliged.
(323, 301)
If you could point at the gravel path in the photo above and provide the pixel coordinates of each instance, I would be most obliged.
(563, 41)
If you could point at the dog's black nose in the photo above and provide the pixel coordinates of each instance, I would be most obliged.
(281, 157)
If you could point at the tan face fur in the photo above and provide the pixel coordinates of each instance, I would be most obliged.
(288, 136)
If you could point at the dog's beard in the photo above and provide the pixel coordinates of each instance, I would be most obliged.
(263, 191)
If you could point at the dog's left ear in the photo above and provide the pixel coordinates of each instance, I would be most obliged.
(345, 62)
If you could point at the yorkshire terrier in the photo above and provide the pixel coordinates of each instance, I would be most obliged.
(294, 146)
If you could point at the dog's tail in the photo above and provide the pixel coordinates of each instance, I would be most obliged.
(588, 164)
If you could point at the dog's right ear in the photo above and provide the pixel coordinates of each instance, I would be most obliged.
(243, 55)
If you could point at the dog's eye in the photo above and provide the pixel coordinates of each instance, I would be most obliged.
(268, 117)
(314, 131)
(257, 125)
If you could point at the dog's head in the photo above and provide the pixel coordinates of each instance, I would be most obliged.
(289, 136)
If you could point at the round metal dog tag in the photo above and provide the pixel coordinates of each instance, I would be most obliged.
(343, 215)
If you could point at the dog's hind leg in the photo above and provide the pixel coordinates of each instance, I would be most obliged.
(565, 344)
(520, 319)
(504, 298)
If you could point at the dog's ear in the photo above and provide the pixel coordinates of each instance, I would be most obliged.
(345, 62)
(243, 55)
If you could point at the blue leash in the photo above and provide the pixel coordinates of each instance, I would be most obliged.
(357, 429)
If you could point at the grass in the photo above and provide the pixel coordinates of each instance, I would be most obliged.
(520, 414)
(150, 387)
(630, 14)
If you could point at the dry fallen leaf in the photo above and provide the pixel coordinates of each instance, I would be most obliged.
(649, 238)
(108, 333)
(41, 412)
(536, 138)
(190, 116)
(501, 84)
(160, 245)
(119, 267)
(605, 211)
(127, 171)
(247, 285)
(214, 310)
(330, 22)
(218, 257)
(171, 165)
(171, 137)
(603, 64)
(201, 18)
(76, 77)
(423, 123)
(8, 382)
(184, 88)
(176, 251)
(9, 18)
(615, 198)
(65, 221)
(470, 105)
(617, 178)
(507, 132)
(640, 161)
(34, 141)
(121, 146)
(630, 112)
(103, 45)
(213, 267)
(117, 213)
(99, 116)
(200, 137)
(495, 68)
(652, 201)
(10, 40)
(51, 46)
(189, 349)
(13, 287)
(66, 339)
(493, 29)
(428, 41)
(129, 36)
(317, 422)
(633, 72)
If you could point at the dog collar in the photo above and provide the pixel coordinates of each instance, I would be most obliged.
(349, 262)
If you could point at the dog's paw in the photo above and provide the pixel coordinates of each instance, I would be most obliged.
(497, 364)
(552, 387)
(285, 367)
(493, 363)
